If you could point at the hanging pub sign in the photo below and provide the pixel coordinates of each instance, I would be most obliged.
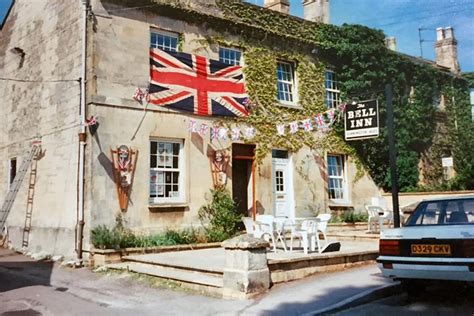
(124, 160)
(361, 120)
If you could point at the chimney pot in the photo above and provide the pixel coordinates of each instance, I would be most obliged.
(391, 43)
(282, 6)
(446, 48)
(316, 10)
(439, 34)
(448, 32)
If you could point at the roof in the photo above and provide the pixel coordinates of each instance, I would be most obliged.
(212, 11)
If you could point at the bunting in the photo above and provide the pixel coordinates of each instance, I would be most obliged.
(320, 122)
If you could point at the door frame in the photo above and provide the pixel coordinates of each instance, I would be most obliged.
(289, 187)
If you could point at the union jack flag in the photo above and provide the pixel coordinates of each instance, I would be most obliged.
(196, 84)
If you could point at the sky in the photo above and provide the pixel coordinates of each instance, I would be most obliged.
(399, 18)
(402, 18)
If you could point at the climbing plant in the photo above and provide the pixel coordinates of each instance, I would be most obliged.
(364, 67)
(425, 131)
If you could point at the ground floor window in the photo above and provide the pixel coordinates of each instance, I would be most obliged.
(336, 177)
(166, 171)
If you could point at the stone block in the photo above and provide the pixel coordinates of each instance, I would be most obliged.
(102, 259)
(244, 259)
(241, 283)
(246, 272)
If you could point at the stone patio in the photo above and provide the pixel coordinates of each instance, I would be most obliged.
(203, 268)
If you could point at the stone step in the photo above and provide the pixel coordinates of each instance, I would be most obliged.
(208, 261)
(181, 275)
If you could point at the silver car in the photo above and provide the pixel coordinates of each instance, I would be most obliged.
(436, 243)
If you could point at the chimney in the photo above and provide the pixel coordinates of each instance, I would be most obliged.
(391, 43)
(316, 10)
(446, 48)
(282, 6)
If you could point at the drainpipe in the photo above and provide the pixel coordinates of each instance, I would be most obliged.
(82, 139)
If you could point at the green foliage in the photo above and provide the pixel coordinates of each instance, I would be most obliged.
(105, 238)
(185, 236)
(119, 237)
(219, 216)
(352, 217)
(363, 64)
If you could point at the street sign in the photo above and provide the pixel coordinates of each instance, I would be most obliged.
(361, 120)
(447, 162)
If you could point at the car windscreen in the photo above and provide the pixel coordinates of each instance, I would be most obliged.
(443, 212)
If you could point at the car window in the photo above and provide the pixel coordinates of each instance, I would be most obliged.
(429, 215)
(443, 212)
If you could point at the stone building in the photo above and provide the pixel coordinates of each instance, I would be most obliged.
(174, 168)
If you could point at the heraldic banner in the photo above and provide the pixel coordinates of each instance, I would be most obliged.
(197, 85)
(124, 160)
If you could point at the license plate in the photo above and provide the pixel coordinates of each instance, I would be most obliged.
(431, 249)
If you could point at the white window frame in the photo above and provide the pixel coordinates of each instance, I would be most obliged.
(180, 198)
(343, 177)
(291, 83)
(164, 34)
(332, 89)
(229, 60)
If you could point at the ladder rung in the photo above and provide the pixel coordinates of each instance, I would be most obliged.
(15, 185)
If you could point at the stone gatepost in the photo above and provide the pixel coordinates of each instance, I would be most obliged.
(246, 272)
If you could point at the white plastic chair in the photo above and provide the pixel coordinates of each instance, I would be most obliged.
(249, 226)
(322, 221)
(377, 215)
(264, 224)
(305, 233)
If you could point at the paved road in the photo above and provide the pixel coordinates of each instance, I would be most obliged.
(440, 300)
(34, 288)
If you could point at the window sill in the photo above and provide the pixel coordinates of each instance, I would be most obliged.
(334, 203)
(289, 105)
(168, 207)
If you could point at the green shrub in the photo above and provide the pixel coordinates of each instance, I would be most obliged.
(352, 217)
(120, 237)
(220, 215)
(105, 238)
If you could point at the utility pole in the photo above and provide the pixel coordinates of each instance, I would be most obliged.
(392, 155)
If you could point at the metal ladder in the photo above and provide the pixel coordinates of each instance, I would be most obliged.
(29, 202)
(16, 184)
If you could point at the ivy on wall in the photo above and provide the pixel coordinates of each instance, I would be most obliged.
(364, 66)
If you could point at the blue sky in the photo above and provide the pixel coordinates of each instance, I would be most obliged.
(399, 18)
(402, 18)
(4, 5)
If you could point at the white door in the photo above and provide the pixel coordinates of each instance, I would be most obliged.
(282, 187)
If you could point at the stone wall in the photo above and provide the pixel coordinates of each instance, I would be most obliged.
(120, 64)
(48, 32)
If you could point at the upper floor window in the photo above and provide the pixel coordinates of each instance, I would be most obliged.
(164, 40)
(332, 89)
(337, 177)
(286, 82)
(166, 171)
(229, 56)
